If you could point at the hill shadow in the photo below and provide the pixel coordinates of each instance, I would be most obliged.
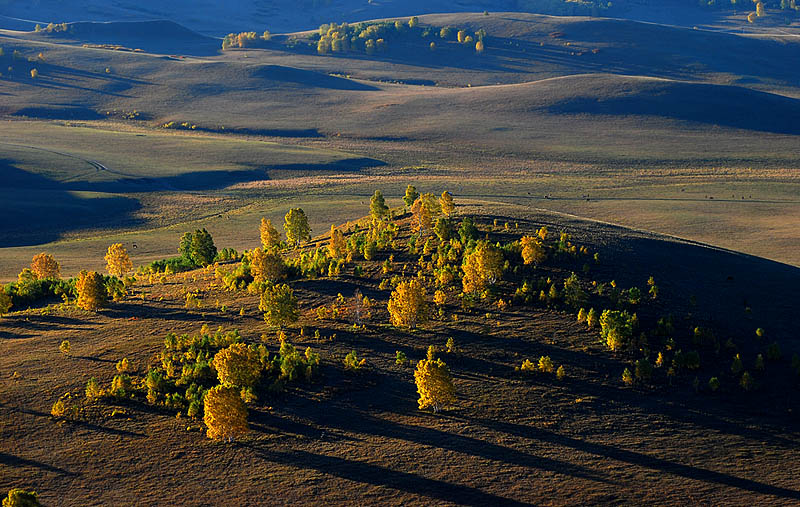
(308, 78)
(728, 106)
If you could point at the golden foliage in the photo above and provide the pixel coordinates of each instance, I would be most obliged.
(5, 302)
(91, 291)
(434, 384)
(266, 266)
(337, 247)
(279, 305)
(237, 365)
(446, 203)
(532, 250)
(407, 306)
(44, 265)
(118, 262)
(424, 210)
(482, 268)
(270, 238)
(225, 413)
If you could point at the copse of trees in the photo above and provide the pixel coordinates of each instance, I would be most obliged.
(245, 40)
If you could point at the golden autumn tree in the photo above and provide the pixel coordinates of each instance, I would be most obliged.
(225, 413)
(237, 366)
(532, 250)
(434, 383)
(44, 265)
(482, 268)
(270, 238)
(760, 9)
(337, 248)
(424, 210)
(407, 306)
(118, 262)
(91, 291)
(296, 226)
(266, 266)
(446, 204)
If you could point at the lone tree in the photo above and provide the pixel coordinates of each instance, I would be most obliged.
(446, 204)
(270, 238)
(434, 383)
(295, 224)
(198, 247)
(411, 195)
(225, 413)
(407, 306)
(91, 291)
(279, 305)
(482, 268)
(532, 250)
(337, 248)
(377, 206)
(44, 266)
(118, 262)
(237, 366)
(266, 266)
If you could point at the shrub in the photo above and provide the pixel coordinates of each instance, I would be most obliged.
(65, 347)
(59, 408)
(93, 389)
(450, 345)
(237, 365)
(545, 364)
(736, 365)
(561, 373)
(21, 498)
(616, 328)
(352, 362)
(592, 319)
(774, 352)
(266, 266)
(225, 413)
(123, 366)
(627, 377)
(120, 386)
(643, 370)
(434, 384)
(198, 247)
(582, 315)
(5, 301)
(760, 332)
(528, 365)
(574, 295)
(759, 366)
(400, 358)
(747, 382)
(713, 384)
(279, 305)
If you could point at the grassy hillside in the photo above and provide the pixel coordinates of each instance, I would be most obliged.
(511, 437)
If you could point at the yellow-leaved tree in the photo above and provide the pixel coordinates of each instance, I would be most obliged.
(279, 305)
(337, 248)
(118, 262)
(225, 413)
(447, 205)
(407, 306)
(91, 291)
(296, 226)
(532, 250)
(270, 238)
(266, 266)
(434, 383)
(237, 366)
(424, 210)
(482, 268)
(44, 265)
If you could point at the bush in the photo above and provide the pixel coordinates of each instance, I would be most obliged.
(65, 347)
(545, 364)
(774, 352)
(93, 389)
(643, 370)
(616, 328)
(713, 384)
(21, 498)
(736, 365)
(627, 377)
(747, 382)
(561, 373)
(279, 305)
(592, 319)
(120, 386)
(198, 247)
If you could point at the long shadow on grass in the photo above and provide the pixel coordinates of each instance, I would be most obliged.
(376, 475)
(19, 462)
(635, 458)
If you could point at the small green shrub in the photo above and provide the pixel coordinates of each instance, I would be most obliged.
(352, 362)
(713, 384)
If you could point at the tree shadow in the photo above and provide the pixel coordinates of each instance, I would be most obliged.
(18, 462)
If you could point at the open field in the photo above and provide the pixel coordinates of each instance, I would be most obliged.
(512, 438)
